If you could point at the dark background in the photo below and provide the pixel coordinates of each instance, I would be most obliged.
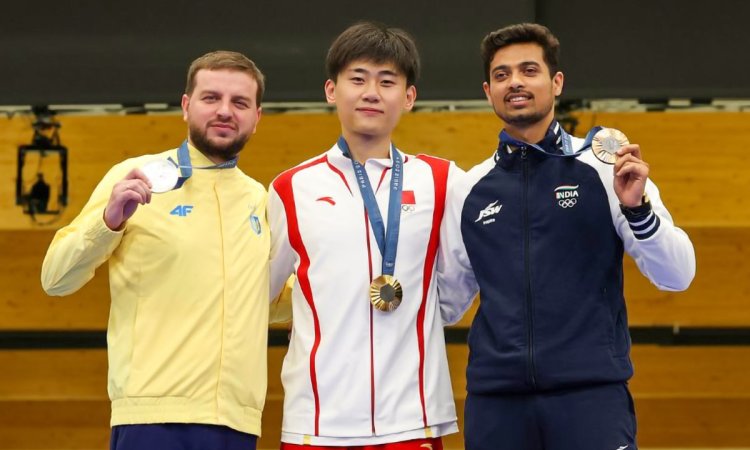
(135, 52)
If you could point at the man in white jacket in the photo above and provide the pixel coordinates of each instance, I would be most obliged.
(360, 226)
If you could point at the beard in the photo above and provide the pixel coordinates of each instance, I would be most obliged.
(199, 138)
(523, 120)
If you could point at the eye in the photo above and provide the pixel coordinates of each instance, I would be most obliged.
(499, 76)
(242, 104)
(531, 70)
(357, 80)
(388, 83)
(209, 98)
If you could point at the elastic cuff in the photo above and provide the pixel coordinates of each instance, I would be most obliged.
(641, 219)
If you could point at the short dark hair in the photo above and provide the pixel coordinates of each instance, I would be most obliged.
(226, 60)
(518, 34)
(374, 42)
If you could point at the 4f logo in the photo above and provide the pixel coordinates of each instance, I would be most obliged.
(566, 196)
(488, 211)
(181, 210)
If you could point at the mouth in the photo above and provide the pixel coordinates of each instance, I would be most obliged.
(518, 98)
(369, 111)
(222, 126)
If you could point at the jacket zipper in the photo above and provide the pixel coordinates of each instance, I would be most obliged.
(527, 270)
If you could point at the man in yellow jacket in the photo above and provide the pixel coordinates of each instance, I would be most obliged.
(187, 242)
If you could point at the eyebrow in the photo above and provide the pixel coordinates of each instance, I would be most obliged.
(522, 64)
(380, 73)
(219, 94)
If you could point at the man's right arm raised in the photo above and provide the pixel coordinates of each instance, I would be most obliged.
(80, 247)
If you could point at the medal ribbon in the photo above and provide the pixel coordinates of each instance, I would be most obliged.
(387, 241)
(186, 167)
(565, 138)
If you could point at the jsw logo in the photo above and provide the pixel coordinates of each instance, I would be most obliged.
(181, 210)
(489, 210)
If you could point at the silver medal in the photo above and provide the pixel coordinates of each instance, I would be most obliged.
(162, 174)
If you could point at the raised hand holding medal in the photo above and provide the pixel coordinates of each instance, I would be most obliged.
(127, 194)
(631, 175)
(385, 291)
(154, 177)
(611, 146)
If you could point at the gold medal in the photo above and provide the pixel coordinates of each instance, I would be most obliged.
(605, 144)
(385, 293)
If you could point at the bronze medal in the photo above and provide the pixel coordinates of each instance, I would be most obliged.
(385, 293)
(605, 144)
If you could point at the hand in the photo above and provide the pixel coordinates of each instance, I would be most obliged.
(127, 194)
(631, 173)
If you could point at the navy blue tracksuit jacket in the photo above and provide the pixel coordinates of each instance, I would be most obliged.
(544, 235)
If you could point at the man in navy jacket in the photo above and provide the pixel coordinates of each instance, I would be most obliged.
(544, 224)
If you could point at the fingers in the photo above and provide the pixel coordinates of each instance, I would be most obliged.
(628, 155)
(630, 165)
(127, 201)
(127, 194)
(136, 174)
(134, 189)
(631, 175)
(630, 149)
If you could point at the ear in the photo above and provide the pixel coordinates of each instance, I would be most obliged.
(486, 88)
(411, 97)
(260, 112)
(330, 90)
(557, 83)
(185, 102)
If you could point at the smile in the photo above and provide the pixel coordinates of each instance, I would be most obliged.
(517, 98)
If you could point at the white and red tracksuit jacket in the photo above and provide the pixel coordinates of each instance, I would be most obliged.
(354, 375)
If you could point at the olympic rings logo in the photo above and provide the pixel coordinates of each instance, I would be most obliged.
(568, 202)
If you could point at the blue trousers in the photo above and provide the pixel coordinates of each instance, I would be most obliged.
(592, 418)
(179, 436)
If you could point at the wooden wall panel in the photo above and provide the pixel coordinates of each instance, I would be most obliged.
(23, 303)
(684, 396)
(698, 159)
(717, 297)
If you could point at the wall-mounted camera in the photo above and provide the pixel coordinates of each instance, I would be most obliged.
(42, 168)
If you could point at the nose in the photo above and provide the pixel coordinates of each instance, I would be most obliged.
(224, 111)
(516, 80)
(371, 92)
